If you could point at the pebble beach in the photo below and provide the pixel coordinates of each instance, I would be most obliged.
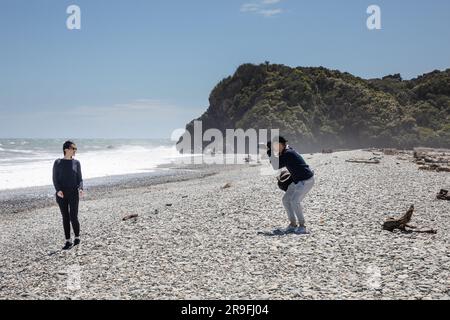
(195, 239)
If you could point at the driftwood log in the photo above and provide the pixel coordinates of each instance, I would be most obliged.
(368, 161)
(402, 223)
(131, 216)
(390, 152)
(443, 195)
(432, 160)
(434, 167)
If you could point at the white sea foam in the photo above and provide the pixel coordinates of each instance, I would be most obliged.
(17, 151)
(37, 171)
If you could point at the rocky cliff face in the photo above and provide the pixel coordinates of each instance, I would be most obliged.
(318, 108)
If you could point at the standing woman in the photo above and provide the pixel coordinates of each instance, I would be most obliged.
(68, 183)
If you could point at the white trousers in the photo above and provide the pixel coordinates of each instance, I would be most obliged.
(292, 200)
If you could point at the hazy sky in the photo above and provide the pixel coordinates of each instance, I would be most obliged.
(142, 68)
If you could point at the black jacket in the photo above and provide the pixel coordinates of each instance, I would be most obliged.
(67, 175)
(292, 161)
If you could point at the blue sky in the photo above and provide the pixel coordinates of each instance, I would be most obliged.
(140, 69)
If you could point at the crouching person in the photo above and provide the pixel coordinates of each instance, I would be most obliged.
(283, 156)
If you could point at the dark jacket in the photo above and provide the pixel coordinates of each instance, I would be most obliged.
(292, 161)
(67, 175)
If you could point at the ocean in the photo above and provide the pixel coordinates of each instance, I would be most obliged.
(29, 162)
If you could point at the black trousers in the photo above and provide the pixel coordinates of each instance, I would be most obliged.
(69, 210)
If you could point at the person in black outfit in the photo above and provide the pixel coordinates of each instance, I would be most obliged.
(68, 183)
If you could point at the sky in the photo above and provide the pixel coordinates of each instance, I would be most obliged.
(143, 68)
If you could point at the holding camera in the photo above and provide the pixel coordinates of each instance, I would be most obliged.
(297, 181)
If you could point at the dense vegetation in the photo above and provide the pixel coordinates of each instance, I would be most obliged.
(319, 108)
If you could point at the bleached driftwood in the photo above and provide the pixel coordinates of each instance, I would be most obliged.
(368, 161)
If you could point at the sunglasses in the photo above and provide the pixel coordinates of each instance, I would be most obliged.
(74, 149)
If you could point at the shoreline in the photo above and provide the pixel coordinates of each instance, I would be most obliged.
(13, 201)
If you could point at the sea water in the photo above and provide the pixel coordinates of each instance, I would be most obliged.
(29, 162)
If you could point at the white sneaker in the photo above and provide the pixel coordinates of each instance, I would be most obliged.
(301, 230)
(290, 229)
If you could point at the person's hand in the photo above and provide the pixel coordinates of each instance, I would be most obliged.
(276, 149)
(60, 194)
(81, 192)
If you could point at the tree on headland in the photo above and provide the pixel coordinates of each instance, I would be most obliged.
(321, 108)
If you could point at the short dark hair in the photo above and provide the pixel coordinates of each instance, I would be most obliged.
(67, 145)
(279, 139)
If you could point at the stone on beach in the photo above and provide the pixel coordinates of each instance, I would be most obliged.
(131, 216)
